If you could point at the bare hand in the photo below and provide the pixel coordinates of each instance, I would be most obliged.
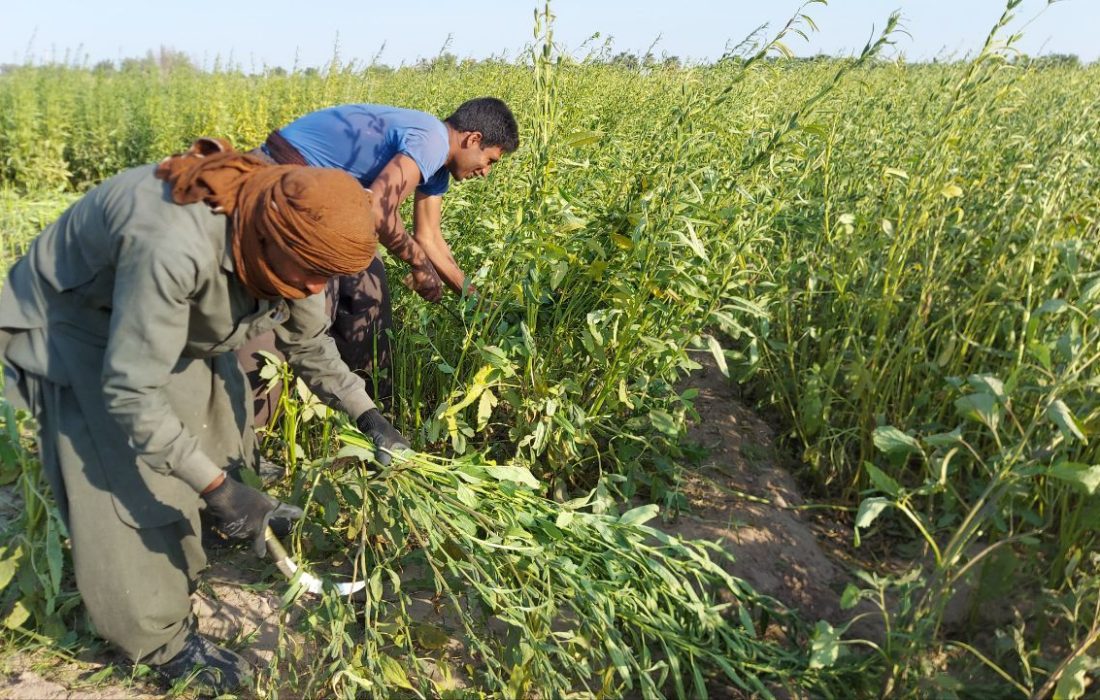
(424, 280)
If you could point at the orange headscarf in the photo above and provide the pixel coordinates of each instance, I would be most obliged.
(321, 218)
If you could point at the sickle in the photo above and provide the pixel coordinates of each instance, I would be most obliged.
(289, 568)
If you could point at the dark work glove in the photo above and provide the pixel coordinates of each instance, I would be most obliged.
(243, 513)
(386, 438)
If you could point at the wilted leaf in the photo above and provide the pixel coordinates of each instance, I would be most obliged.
(375, 585)
(951, 191)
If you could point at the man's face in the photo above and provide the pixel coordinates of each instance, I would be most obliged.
(472, 160)
(308, 282)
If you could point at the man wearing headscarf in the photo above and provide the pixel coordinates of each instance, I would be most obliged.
(116, 332)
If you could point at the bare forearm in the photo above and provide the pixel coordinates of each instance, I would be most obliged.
(445, 265)
(393, 236)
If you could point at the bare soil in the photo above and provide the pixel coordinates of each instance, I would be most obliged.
(743, 495)
(740, 495)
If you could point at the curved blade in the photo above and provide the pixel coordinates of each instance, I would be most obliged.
(312, 584)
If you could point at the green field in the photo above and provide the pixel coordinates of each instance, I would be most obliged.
(898, 262)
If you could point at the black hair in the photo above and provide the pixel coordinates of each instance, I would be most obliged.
(492, 118)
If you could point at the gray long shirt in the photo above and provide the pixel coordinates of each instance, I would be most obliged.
(151, 281)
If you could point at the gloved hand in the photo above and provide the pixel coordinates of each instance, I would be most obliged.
(243, 513)
(386, 438)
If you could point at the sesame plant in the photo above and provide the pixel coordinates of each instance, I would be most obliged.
(896, 260)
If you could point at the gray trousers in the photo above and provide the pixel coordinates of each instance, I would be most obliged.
(135, 567)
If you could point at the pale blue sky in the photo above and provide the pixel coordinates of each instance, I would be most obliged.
(282, 33)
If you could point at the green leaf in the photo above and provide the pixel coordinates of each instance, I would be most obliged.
(639, 515)
(719, 355)
(485, 408)
(466, 496)
(618, 658)
(622, 241)
(583, 138)
(882, 481)
(746, 620)
(519, 475)
(870, 509)
(892, 441)
(981, 407)
(664, 422)
(1052, 306)
(1074, 680)
(9, 564)
(825, 645)
(1082, 475)
(375, 585)
(595, 320)
(849, 598)
(20, 613)
(365, 454)
(431, 637)
(989, 384)
(393, 673)
(1063, 417)
(944, 439)
(53, 556)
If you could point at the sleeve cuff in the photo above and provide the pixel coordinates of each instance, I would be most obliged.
(355, 406)
(198, 472)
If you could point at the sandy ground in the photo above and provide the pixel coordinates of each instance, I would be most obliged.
(740, 495)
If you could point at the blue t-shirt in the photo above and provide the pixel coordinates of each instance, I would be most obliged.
(361, 139)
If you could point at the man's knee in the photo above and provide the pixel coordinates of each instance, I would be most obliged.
(141, 628)
(136, 585)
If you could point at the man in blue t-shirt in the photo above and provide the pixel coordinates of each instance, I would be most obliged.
(395, 153)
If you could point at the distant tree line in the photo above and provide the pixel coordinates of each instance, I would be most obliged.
(167, 59)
